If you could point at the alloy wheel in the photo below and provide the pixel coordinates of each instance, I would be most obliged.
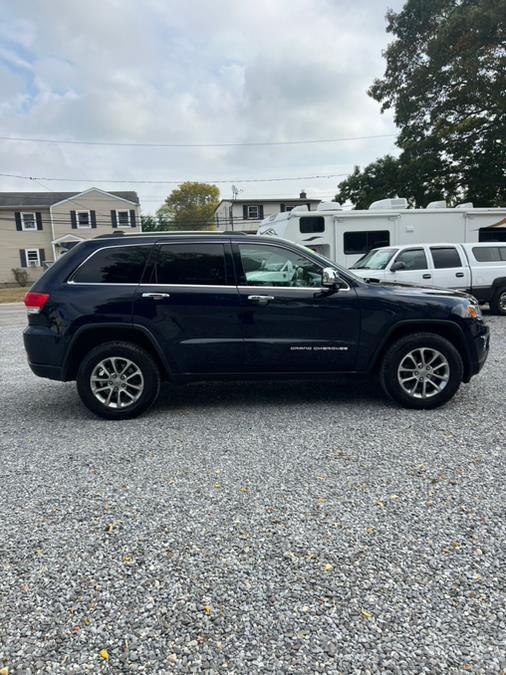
(423, 372)
(117, 382)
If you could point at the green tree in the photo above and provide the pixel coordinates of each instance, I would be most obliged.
(191, 206)
(445, 79)
(159, 223)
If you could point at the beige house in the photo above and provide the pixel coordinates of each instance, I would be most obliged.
(36, 228)
(247, 214)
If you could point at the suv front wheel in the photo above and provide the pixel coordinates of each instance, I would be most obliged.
(423, 370)
(118, 380)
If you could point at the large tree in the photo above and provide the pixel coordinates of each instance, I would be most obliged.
(191, 206)
(445, 79)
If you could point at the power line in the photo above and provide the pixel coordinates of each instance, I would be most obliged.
(193, 145)
(173, 182)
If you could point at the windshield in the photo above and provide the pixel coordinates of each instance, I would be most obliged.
(377, 259)
(330, 263)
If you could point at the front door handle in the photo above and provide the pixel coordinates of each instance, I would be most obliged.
(156, 296)
(426, 276)
(260, 299)
(459, 274)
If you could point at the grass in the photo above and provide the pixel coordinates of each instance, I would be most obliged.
(12, 294)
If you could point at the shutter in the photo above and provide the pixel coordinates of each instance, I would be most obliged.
(261, 211)
(114, 219)
(282, 208)
(38, 218)
(73, 219)
(22, 256)
(93, 218)
(42, 256)
(244, 212)
(17, 216)
(133, 222)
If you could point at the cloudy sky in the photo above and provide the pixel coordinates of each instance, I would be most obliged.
(190, 72)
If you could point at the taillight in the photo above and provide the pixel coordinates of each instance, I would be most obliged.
(34, 302)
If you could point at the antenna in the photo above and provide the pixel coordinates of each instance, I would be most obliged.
(235, 191)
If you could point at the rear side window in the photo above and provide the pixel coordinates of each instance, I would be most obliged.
(445, 257)
(487, 253)
(363, 242)
(114, 265)
(194, 264)
(309, 224)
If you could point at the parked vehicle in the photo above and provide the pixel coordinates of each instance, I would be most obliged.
(121, 314)
(479, 269)
(344, 236)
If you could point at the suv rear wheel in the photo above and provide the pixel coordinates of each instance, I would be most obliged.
(423, 370)
(118, 380)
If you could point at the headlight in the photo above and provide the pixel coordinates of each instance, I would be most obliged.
(474, 311)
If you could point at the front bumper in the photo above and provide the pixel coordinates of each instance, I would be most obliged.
(480, 349)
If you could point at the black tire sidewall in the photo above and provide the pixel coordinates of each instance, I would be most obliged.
(396, 353)
(140, 357)
(495, 307)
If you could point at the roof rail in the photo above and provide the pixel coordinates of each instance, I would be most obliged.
(119, 233)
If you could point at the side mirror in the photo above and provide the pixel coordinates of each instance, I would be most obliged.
(330, 278)
(398, 266)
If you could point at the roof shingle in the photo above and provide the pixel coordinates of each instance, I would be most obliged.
(46, 199)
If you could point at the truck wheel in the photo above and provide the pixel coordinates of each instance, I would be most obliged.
(498, 302)
(118, 380)
(423, 370)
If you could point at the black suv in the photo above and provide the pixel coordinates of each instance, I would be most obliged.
(119, 314)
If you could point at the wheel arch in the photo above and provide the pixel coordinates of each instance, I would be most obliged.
(447, 329)
(88, 337)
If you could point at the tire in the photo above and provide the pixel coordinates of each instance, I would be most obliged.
(440, 378)
(498, 302)
(136, 390)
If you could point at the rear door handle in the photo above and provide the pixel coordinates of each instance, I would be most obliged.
(459, 274)
(260, 299)
(156, 296)
(426, 276)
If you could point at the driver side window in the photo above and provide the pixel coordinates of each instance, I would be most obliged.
(413, 258)
(273, 266)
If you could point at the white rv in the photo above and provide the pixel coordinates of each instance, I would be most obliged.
(346, 235)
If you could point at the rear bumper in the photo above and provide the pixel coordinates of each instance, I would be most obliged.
(49, 372)
(44, 352)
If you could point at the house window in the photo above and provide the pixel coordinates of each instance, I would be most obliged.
(28, 221)
(83, 219)
(32, 257)
(123, 218)
(253, 212)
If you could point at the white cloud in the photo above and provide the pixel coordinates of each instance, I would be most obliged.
(195, 72)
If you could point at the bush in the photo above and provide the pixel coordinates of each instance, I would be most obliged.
(21, 275)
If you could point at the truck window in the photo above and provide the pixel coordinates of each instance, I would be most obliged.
(375, 260)
(363, 242)
(445, 257)
(413, 258)
(487, 253)
(309, 224)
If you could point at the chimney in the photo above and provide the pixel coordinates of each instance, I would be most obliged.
(303, 194)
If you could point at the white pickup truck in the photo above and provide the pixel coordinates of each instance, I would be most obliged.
(479, 269)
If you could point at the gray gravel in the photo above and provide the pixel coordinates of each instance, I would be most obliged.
(274, 528)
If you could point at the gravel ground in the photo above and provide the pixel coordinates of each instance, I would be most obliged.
(259, 528)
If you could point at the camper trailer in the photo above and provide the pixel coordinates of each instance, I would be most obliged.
(344, 236)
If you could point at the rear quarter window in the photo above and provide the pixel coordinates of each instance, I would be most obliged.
(114, 265)
(487, 253)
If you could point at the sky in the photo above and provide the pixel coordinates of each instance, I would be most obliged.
(191, 72)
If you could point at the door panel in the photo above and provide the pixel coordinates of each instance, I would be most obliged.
(191, 304)
(416, 267)
(450, 270)
(290, 323)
